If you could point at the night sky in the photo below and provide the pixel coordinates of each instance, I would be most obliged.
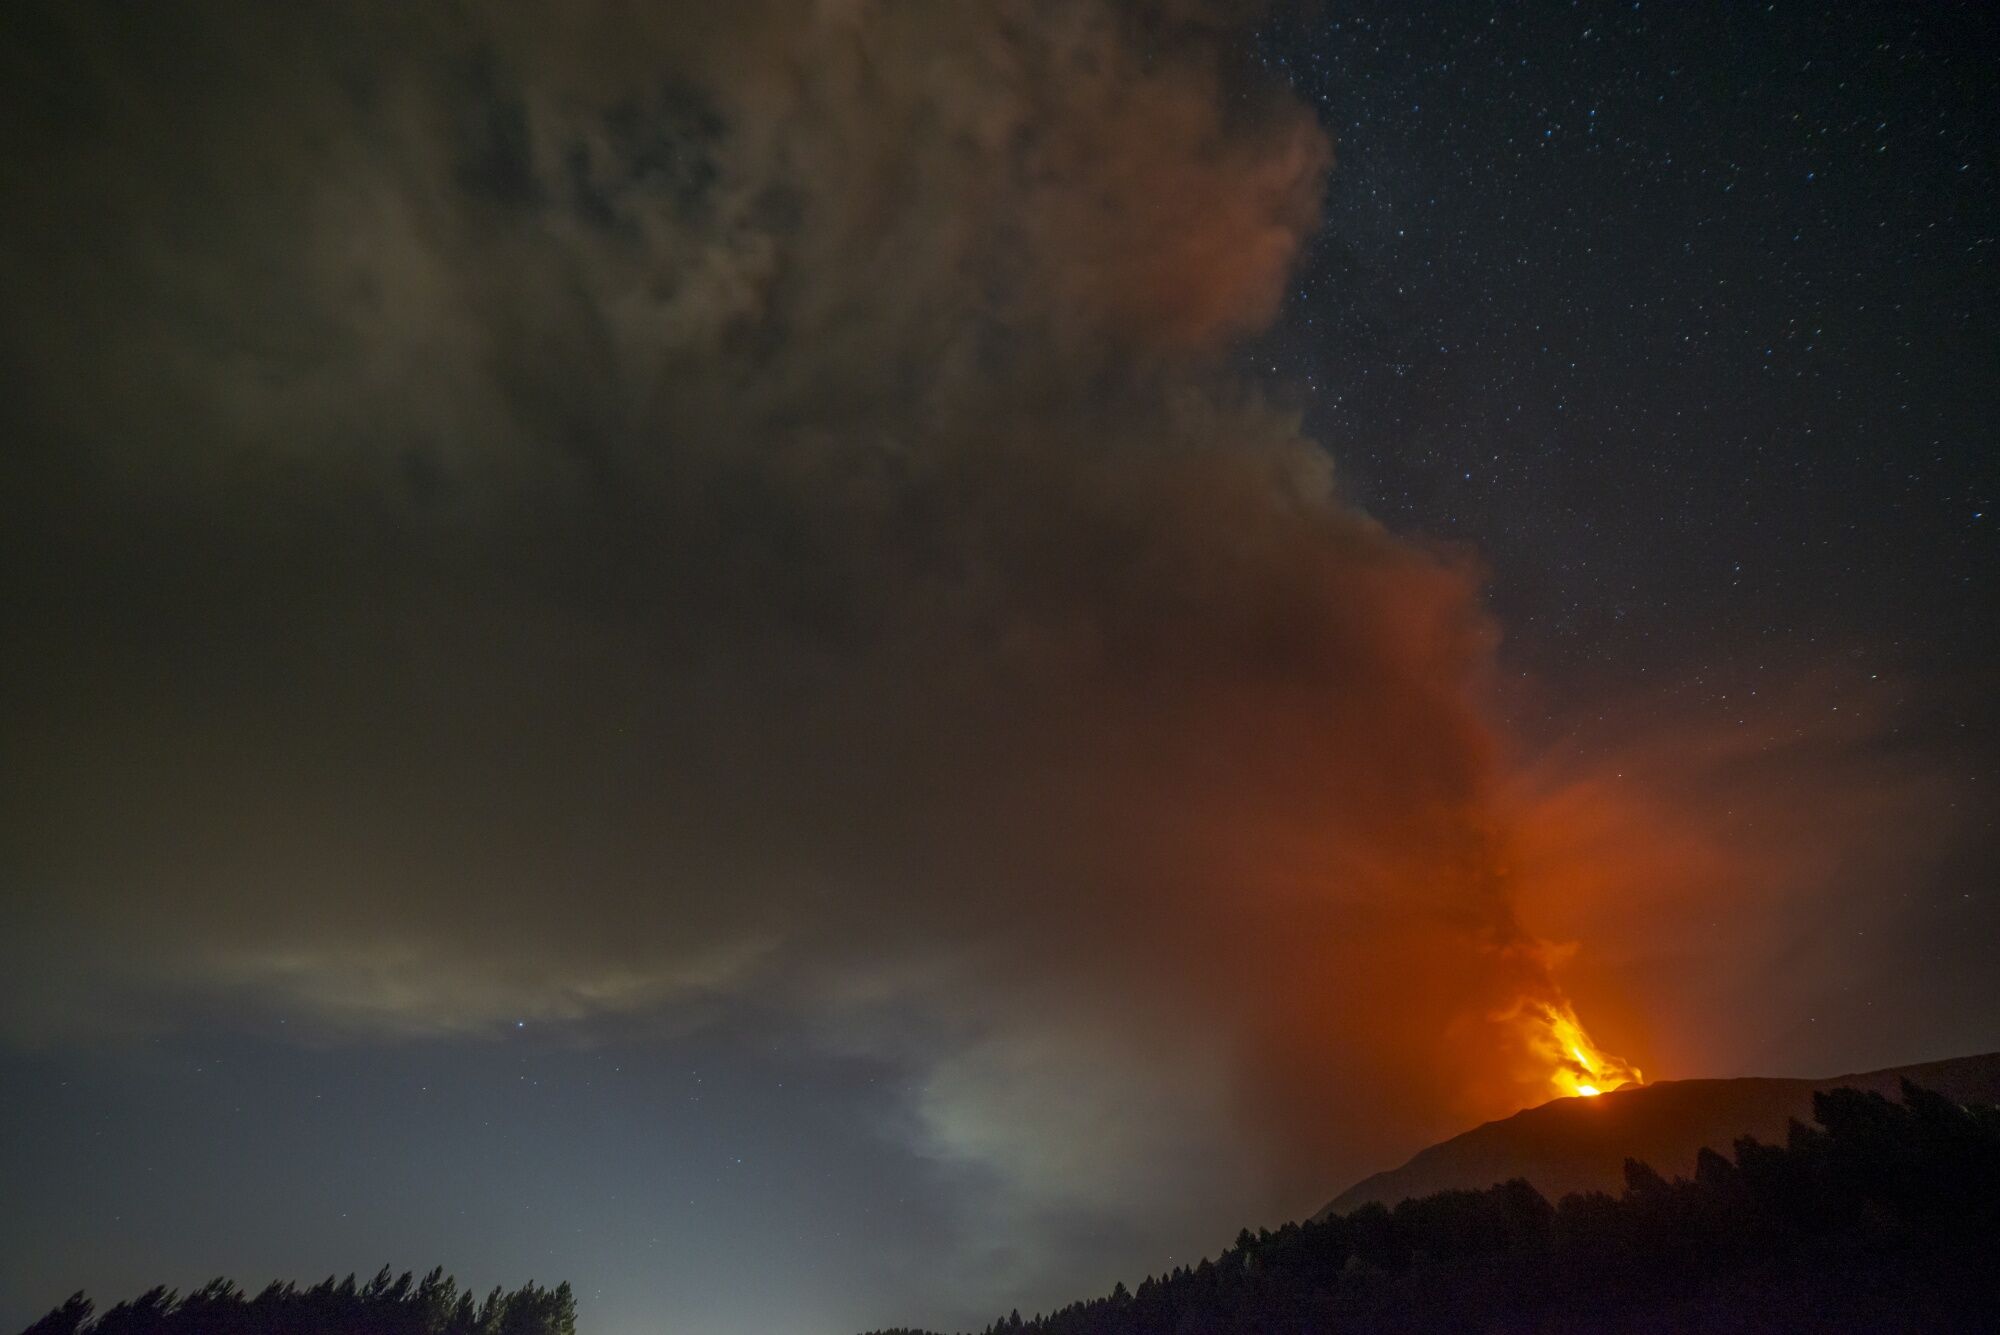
(863, 663)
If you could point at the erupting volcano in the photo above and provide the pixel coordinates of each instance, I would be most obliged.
(1577, 1066)
(1550, 1053)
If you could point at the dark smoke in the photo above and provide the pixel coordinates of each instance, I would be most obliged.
(692, 506)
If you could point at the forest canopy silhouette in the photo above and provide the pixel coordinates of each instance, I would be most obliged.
(1884, 1216)
(385, 1305)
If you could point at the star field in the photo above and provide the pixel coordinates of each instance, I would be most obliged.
(1685, 321)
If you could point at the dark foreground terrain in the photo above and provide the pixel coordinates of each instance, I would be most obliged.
(1885, 1216)
(402, 1305)
(1569, 1145)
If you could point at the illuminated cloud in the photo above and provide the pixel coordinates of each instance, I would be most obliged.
(614, 518)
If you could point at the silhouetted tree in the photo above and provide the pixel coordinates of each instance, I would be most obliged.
(64, 1320)
(1884, 1215)
(389, 1304)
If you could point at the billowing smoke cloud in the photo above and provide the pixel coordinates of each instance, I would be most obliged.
(611, 519)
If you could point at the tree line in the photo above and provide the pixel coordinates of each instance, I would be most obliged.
(1884, 1216)
(385, 1305)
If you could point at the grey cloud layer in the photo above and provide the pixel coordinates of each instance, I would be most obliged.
(600, 521)
(611, 520)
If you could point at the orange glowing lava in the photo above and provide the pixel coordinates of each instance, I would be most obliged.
(1578, 1068)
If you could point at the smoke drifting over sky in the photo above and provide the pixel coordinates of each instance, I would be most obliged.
(618, 523)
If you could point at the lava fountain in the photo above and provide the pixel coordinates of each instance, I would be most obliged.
(1577, 1067)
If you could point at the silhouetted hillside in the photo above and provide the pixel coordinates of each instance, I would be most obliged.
(403, 1305)
(1883, 1218)
(1582, 1144)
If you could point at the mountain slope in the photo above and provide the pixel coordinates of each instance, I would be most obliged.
(1884, 1217)
(1582, 1144)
